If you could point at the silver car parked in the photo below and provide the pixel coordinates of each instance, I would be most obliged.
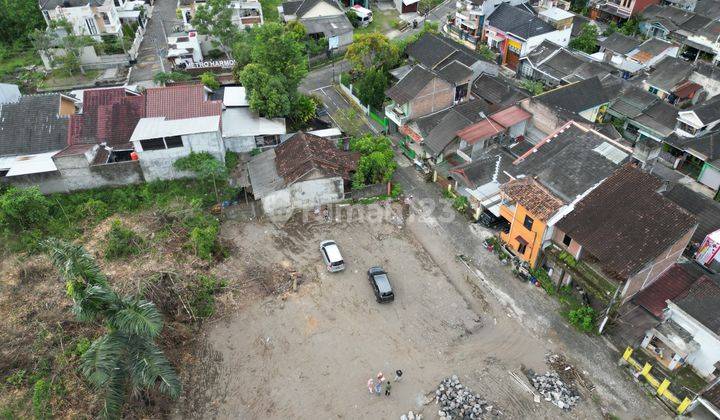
(331, 255)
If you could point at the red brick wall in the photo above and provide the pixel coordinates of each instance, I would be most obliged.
(436, 96)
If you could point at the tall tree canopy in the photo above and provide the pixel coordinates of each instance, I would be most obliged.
(277, 64)
(587, 40)
(214, 18)
(18, 19)
(372, 50)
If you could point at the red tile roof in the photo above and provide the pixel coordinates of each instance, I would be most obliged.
(537, 200)
(303, 153)
(673, 282)
(480, 131)
(511, 116)
(109, 116)
(178, 102)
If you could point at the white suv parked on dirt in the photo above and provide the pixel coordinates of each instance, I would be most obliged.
(331, 255)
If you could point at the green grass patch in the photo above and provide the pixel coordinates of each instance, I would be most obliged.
(122, 242)
(68, 215)
(383, 21)
(270, 11)
(203, 301)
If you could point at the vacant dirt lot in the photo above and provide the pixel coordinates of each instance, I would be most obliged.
(309, 353)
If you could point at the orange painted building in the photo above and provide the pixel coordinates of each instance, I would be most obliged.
(527, 206)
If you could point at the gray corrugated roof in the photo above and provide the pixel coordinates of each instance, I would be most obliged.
(263, 174)
(409, 86)
(328, 25)
(518, 21)
(291, 7)
(668, 73)
(619, 43)
(434, 50)
(708, 145)
(568, 165)
(709, 111)
(705, 209)
(496, 90)
(576, 97)
(32, 125)
(439, 129)
(455, 72)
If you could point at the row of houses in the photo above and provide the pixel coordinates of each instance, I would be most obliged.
(117, 136)
(583, 179)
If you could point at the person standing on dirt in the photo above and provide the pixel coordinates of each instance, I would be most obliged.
(371, 385)
(398, 375)
(378, 388)
(387, 388)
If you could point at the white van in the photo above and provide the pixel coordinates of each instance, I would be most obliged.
(331, 255)
(365, 15)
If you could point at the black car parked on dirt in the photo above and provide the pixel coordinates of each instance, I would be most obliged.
(381, 285)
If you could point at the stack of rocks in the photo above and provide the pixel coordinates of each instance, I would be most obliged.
(457, 401)
(553, 389)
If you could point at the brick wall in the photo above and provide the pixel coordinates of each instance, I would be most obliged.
(543, 118)
(436, 96)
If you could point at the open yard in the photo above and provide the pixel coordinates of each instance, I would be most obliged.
(309, 353)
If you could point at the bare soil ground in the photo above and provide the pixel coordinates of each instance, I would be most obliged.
(309, 353)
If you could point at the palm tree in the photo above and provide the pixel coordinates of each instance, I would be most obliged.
(126, 357)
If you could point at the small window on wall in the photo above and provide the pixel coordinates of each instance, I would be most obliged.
(174, 141)
(528, 223)
(152, 144)
(522, 247)
(566, 240)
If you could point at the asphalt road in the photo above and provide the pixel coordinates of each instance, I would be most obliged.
(153, 49)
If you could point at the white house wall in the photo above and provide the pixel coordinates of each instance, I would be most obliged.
(158, 164)
(322, 9)
(561, 38)
(704, 359)
(304, 195)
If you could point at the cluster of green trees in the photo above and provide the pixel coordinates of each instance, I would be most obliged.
(271, 60)
(19, 18)
(377, 163)
(587, 40)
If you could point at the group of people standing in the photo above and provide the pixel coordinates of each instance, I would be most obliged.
(382, 383)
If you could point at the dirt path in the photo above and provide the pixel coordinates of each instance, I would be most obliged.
(309, 354)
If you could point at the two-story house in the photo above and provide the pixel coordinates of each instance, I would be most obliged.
(423, 91)
(621, 236)
(95, 17)
(630, 56)
(554, 65)
(321, 18)
(618, 10)
(466, 25)
(515, 31)
(245, 13)
(550, 178)
(690, 330)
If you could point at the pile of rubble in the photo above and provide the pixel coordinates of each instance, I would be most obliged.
(553, 389)
(457, 401)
